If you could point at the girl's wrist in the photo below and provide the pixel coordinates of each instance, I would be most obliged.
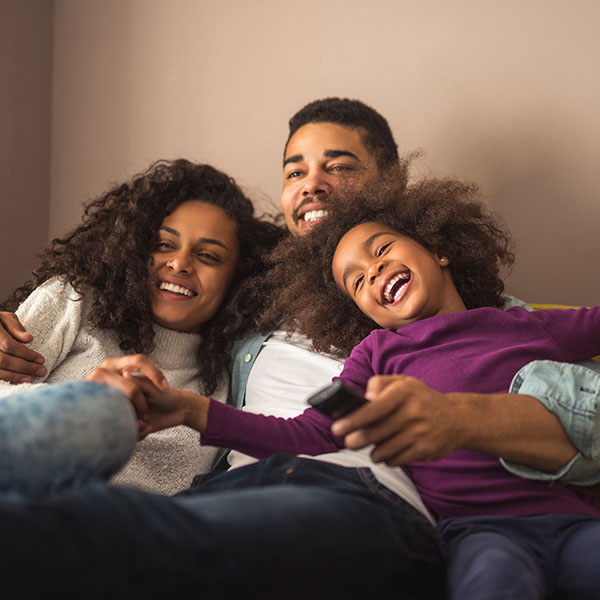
(195, 410)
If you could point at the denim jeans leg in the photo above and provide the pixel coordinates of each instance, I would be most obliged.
(56, 436)
(288, 528)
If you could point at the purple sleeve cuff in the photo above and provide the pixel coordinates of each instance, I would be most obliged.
(260, 436)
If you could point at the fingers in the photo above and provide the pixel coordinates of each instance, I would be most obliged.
(137, 364)
(10, 322)
(18, 364)
(127, 386)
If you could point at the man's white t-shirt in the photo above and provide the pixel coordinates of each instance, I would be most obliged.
(284, 375)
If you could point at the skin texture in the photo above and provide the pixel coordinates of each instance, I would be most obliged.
(197, 250)
(370, 255)
(401, 413)
(320, 157)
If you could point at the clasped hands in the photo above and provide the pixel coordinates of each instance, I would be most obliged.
(157, 405)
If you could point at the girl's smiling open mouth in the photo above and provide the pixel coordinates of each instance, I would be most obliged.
(395, 288)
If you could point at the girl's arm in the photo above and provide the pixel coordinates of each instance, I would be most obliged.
(160, 407)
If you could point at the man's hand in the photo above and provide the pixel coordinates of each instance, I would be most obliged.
(18, 364)
(406, 420)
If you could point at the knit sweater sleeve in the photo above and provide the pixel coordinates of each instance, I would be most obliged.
(52, 314)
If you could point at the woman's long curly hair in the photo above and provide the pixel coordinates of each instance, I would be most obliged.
(445, 216)
(110, 251)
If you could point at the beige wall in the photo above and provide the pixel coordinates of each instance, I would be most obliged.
(503, 93)
(25, 91)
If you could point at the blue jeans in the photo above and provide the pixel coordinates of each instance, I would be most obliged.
(284, 527)
(63, 435)
(503, 558)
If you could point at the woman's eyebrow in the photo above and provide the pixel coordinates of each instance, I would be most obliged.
(202, 240)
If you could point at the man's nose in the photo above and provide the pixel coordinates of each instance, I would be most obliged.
(316, 182)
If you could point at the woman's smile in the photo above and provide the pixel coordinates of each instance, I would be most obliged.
(192, 265)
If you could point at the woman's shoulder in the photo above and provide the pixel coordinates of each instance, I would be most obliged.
(58, 287)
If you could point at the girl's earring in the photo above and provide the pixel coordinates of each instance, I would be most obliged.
(443, 260)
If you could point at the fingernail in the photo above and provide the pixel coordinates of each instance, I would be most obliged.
(40, 360)
(336, 429)
(164, 384)
(40, 372)
(25, 380)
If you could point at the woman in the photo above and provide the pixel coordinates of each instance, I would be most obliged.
(155, 268)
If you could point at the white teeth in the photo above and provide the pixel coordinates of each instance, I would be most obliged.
(313, 215)
(176, 289)
(387, 292)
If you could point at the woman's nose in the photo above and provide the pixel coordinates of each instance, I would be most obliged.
(180, 263)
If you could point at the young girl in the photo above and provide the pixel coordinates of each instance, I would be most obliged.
(155, 267)
(423, 266)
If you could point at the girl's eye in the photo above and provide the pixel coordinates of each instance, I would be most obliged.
(358, 283)
(383, 249)
(164, 246)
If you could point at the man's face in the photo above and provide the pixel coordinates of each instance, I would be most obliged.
(319, 157)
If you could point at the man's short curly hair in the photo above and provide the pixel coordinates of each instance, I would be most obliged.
(109, 253)
(445, 216)
(374, 130)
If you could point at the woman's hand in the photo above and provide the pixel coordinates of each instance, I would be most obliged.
(406, 420)
(156, 404)
(172, 407)
(18, 364)
(118, 373)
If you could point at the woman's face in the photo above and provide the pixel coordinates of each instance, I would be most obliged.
(391, 278)
(192, 265)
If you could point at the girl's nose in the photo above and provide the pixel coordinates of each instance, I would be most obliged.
(374, 270)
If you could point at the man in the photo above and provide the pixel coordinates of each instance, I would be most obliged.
(337, 526)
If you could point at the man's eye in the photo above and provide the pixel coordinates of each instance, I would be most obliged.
(340, 168)
(383, 249)
(293, 174)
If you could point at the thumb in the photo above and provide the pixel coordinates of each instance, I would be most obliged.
(377, 384)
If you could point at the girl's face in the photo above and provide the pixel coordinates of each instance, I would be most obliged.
(192, 265)
(391, 278)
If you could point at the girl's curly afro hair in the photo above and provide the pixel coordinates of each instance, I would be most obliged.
(445, 216)
(109, 253)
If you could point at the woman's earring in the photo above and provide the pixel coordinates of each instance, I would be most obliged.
(443, 260)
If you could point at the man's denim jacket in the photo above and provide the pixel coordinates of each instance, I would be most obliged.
(570, 391)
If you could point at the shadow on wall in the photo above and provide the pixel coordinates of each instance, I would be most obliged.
(543, 181)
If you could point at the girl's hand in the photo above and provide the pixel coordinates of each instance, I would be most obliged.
(117, 373)
(406, 420)
(172, 407)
